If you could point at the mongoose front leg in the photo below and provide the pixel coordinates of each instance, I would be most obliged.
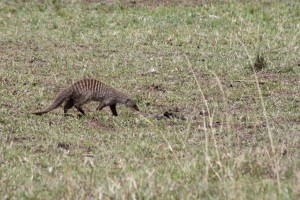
(113, 109)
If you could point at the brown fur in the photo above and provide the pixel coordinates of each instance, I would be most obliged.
(87, 90)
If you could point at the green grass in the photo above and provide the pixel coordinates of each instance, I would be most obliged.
(241, 137)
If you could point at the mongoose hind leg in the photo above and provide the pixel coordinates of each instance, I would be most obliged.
(69, 104)
(113, 109)
(79, 101)
(80, 109)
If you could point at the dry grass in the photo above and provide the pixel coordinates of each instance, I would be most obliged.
(240, 139)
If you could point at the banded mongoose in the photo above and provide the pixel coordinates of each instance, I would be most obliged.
(87, 90)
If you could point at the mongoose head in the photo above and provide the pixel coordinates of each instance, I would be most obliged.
(132, 104)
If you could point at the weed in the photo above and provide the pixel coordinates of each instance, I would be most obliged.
(260, 62)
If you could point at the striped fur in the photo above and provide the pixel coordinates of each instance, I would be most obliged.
(87, 90)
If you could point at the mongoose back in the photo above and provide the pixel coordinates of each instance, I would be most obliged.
(87, 90)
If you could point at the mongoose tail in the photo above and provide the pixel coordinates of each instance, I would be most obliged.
(65, 94)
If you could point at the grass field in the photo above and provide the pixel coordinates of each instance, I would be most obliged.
(241, 136)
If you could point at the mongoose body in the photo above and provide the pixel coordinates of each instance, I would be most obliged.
(87, 90)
